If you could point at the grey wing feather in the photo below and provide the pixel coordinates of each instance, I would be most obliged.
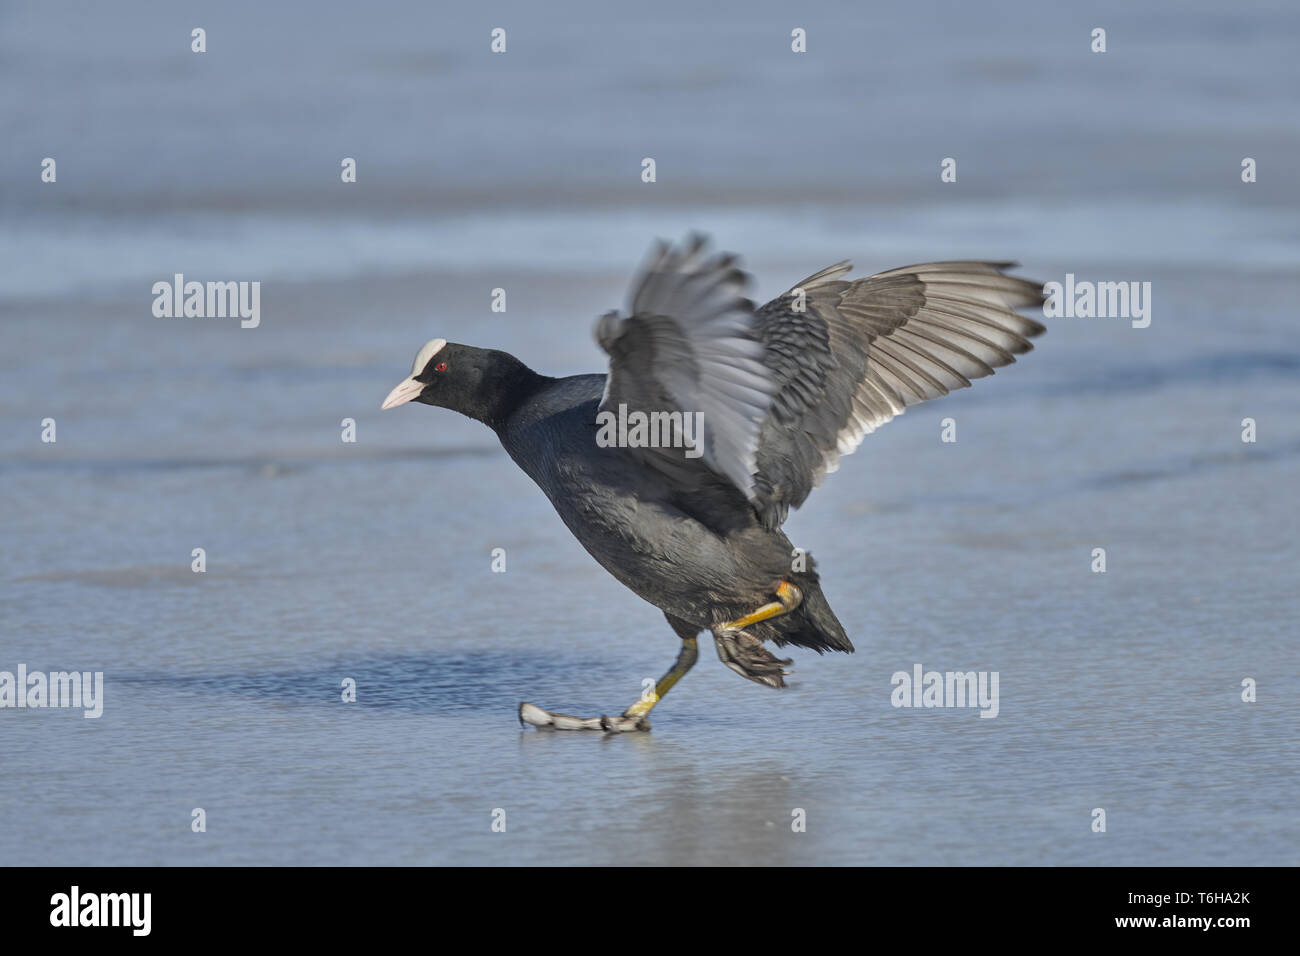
(690, 345)
(850, 356)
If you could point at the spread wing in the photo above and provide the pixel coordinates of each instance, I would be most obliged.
(786, 390)
(690, 346)
(849, 356)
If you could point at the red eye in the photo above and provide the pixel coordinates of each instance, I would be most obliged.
(440, 367)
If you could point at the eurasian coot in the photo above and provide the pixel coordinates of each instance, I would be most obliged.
(677, 469)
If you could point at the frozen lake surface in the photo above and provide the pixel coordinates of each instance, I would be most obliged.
(372, 560)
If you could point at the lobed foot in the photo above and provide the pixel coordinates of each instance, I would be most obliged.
(532, 714)
(746, 655)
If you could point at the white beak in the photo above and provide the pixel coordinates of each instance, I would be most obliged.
(404, 393)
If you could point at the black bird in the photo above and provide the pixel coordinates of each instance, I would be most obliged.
(677, 469)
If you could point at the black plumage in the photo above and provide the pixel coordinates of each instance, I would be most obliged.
(783, 391)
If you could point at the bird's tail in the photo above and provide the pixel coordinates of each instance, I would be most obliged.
(812, 624)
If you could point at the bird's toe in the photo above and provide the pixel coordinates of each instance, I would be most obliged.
(533, 715)
(623, 723)
(745, 654)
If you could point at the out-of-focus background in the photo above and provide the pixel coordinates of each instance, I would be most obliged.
(372, 560)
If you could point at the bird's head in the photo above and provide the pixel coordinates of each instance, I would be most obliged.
(480, 383)
(443, 373)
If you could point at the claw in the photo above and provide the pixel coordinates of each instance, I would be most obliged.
(622, 724)
(745, 654)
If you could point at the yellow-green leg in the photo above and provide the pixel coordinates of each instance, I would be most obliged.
(740, 651)
(686, 659)
(744, 653)
(634, 718)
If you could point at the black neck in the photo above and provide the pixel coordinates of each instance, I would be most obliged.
(507, 384)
